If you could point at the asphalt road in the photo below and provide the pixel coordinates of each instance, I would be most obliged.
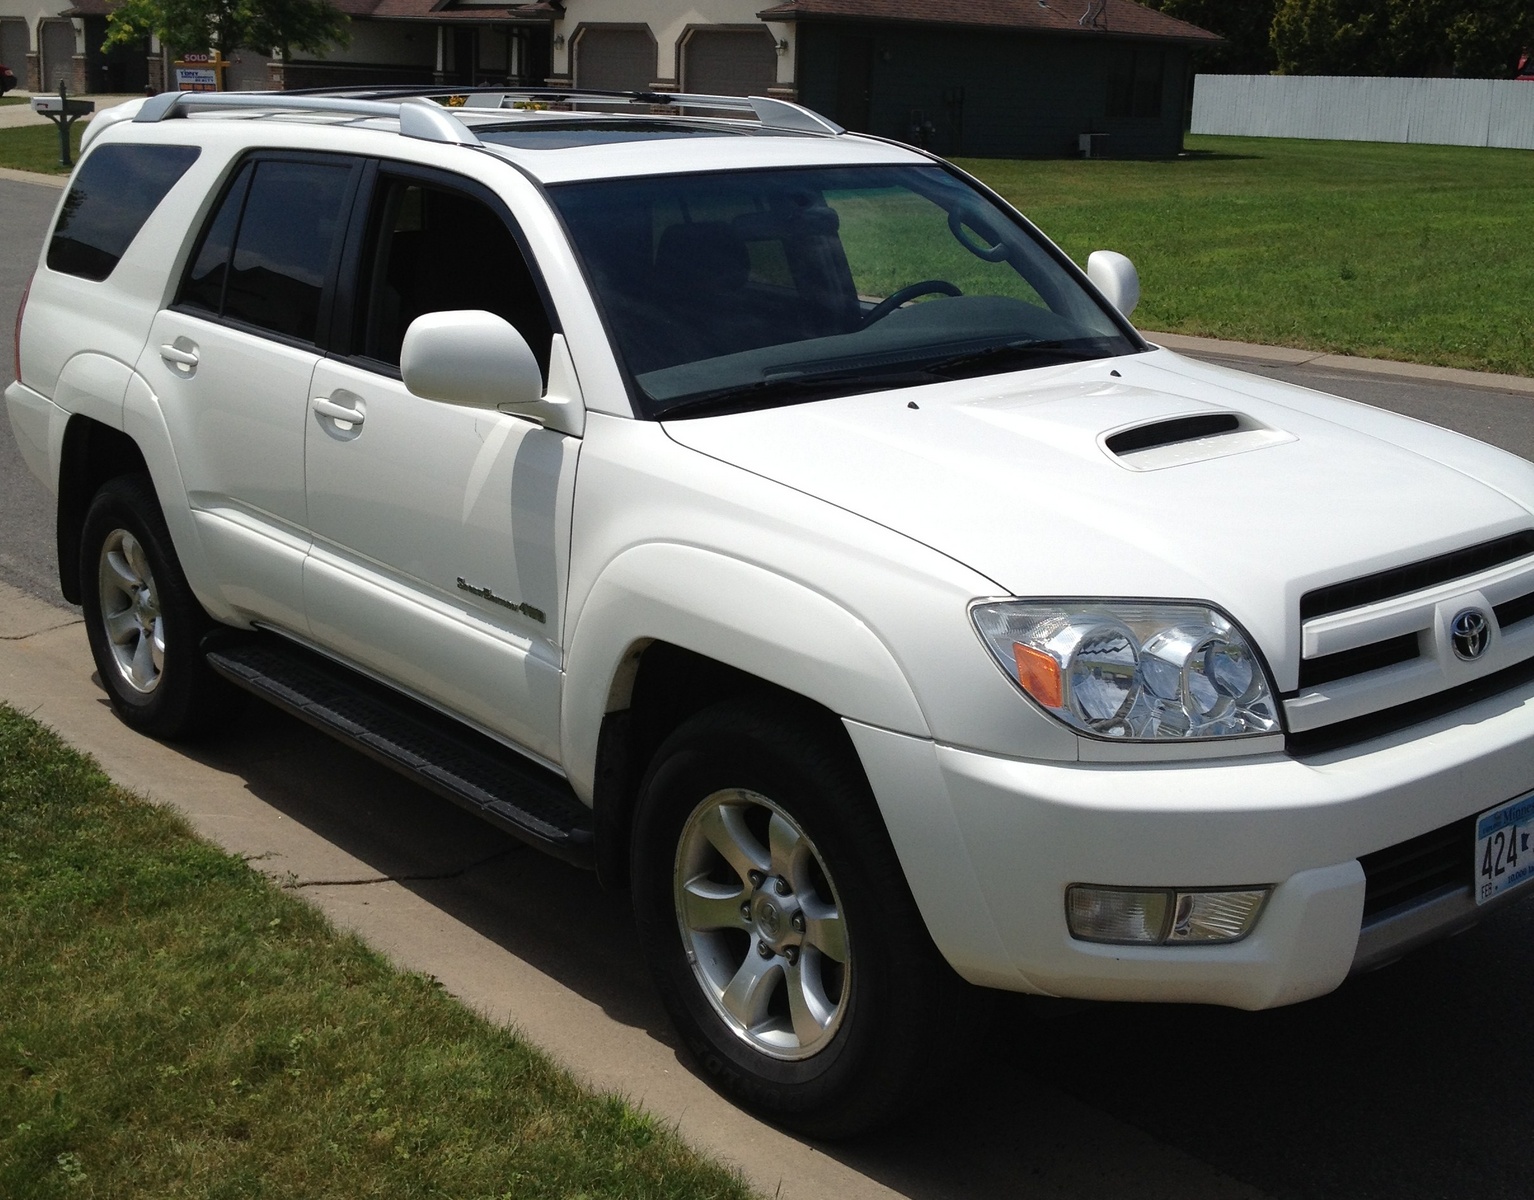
(1405, 1084)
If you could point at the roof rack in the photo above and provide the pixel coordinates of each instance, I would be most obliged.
(420, 117)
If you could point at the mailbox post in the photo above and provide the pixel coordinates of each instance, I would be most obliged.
(63, 111)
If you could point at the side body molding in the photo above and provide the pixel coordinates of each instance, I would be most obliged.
(732, 611)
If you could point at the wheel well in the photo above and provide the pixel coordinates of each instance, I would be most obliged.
(92, 454)
(670, 685)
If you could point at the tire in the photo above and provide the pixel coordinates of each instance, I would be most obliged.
(144, 626)
(778, 926)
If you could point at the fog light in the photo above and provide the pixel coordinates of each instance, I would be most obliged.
(1097, 914)
(1216, 916)
(1156, 916)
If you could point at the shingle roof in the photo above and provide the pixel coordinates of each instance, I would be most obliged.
(445, 10)
(1120, 17)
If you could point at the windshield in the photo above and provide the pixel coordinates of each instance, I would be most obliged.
(753, 288)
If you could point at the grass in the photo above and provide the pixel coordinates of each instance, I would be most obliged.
(36, 148)
(12, 100)
(175, 1026)
(1422, 253)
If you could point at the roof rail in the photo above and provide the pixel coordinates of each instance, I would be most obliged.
(771, 113)
(419, 117)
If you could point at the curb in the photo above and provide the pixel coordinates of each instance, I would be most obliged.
(1287, 356)
(15, 176)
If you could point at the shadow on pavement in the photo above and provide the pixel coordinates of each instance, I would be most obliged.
(1406, 1083)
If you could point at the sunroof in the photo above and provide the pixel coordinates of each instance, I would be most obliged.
(564, 134)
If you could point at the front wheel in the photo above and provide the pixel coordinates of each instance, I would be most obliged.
(141, 619)
(778, 925)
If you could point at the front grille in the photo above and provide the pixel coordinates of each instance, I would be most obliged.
(1414, 577)
(1419, 868)
(1513, 611)
(1341, 734)
(1345, 663)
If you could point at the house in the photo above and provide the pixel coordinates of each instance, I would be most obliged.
(976, 77)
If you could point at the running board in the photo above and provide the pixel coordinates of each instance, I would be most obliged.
(456, 762)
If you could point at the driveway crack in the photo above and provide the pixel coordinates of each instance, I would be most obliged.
(292, 884)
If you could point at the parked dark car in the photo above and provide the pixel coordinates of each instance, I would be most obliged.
(7, 79)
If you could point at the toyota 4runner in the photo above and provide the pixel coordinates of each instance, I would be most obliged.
(773, 519)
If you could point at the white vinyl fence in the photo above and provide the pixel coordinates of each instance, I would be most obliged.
(1446, 112)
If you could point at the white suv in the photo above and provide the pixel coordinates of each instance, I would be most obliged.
(774, 519)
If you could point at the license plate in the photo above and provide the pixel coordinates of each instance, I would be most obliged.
(1504, 848)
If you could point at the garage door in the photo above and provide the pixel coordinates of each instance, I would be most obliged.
(58, 54)
(617, 59)
(14, 44)
(729, 62)
(247, 72)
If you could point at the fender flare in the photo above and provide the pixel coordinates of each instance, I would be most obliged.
(732, 611)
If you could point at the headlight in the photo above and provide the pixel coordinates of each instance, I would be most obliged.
(1141, 671)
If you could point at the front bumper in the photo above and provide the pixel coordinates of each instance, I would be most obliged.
(990, 845)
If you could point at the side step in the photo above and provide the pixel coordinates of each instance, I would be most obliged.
(456, 762)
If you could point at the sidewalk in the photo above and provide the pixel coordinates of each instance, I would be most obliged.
(1285, 356)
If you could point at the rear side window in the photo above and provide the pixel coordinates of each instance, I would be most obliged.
(268, 248)
(112, 196)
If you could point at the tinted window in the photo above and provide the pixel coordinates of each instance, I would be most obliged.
(749, 288)
(432, 249)
(292, 222)
(112, 196)
(204, 284)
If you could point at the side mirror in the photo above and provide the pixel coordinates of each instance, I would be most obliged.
(1116, 278)
(479, 360)
(471, 358)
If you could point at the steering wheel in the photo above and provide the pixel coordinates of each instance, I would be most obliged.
(926, 287)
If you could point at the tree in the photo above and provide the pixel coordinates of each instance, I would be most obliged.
(1475, 38)
(1245, 25)
(312, 26)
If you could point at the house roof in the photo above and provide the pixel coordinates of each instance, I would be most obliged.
(1123, 18)
(447, 10)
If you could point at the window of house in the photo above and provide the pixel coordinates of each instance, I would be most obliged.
(1135, 77)
(113, 194)
(433, 249)
(266, 253)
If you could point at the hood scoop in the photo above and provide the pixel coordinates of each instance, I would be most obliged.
(1189, 438)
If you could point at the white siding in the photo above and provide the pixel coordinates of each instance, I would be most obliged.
(1450, 112)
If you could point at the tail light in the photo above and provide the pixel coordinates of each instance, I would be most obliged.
(20, 312)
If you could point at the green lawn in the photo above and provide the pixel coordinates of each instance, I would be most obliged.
(36, 148)
(1423, 253)
(13, 100)
(172, 1025)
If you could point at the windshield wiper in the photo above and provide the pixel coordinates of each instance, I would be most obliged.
(791, 389)
(995, 356)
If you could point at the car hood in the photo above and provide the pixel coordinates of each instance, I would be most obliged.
(1061, 482)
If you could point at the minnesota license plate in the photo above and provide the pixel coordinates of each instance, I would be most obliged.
(1504, 848)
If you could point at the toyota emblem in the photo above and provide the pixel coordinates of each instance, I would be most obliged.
(1470, 633)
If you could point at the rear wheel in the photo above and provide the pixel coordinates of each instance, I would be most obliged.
(778, 925)
(141, 619)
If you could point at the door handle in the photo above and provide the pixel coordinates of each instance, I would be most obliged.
(178, 357)
(337, 412)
